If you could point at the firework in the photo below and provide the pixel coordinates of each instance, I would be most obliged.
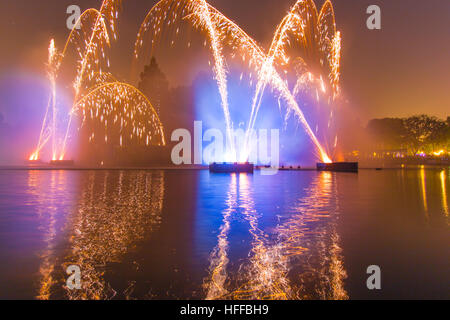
(124, 111)
(169, 12)
(98, 97)
(303, 28)
(315, 33)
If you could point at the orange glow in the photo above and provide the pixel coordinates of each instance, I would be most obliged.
(97, 93)
(98, 27)
(444, 192)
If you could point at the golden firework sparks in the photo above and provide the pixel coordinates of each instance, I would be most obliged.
(117, 105)
(316, 33)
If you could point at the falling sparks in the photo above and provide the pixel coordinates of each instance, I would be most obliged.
(302, 25)
(125, 108)
(96, 92)
(315, 33)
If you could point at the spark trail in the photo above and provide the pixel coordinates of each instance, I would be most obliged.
(200, 11)
(98, 96)
(313, 33)
(311, 30)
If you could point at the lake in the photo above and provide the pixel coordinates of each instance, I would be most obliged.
(189, 234)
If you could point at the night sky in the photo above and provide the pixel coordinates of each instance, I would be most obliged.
(400, 70)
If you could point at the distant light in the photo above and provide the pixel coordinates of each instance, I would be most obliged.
(421, 154)
(438, 153)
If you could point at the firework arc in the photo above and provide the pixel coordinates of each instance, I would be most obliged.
(117, 105)
(105, 102)
(47, 129)
(314, 33)
(174, 10)
(305, 44)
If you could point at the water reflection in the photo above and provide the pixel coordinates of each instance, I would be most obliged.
(219, 257)
(444, 192)
(433, 189)
(113, 214)
(424, 190)
(264, 275)
(110, 223)
(229, 237)
(311, 242)
(300, 259)
(50, 195)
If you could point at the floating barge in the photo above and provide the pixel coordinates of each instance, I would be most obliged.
(231, 167)
(62, 163)
(338, 166)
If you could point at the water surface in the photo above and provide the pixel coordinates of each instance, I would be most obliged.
(196, 235)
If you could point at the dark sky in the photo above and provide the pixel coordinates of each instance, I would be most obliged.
(401, 70)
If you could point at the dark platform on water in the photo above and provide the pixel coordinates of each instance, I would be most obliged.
(231, 167)
(62, 163)
(338, 166)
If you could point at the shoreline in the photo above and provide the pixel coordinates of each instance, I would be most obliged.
(196, 168)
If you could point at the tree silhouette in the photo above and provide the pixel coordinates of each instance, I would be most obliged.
(421, 130)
